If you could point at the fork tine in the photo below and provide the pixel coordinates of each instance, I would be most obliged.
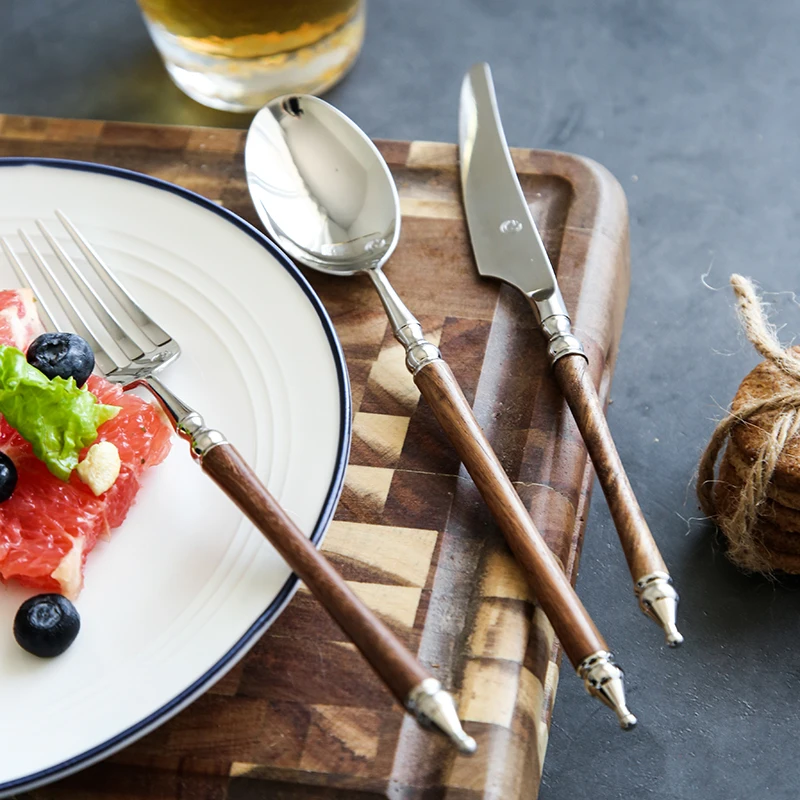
(24, 277)
(155, 333)
(104, 361)
(103, 313)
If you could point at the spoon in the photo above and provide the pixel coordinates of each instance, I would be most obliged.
(326, 196)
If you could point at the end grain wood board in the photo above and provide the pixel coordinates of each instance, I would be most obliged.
(303, 716)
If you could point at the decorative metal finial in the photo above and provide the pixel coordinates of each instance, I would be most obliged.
(434, 708)
(659, 601)
(603, 680)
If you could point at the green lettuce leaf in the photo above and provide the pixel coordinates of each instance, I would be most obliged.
(55, 416)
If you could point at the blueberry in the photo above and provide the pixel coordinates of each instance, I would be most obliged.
(63, 354)
(8, 477)
(46, 625)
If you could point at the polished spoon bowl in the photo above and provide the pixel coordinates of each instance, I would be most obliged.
(326, 196)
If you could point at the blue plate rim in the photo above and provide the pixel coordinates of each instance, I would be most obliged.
(274, 609)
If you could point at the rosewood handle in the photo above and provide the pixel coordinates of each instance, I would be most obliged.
(582, 643)
(400, 671)
(651, 579)
(577, 386)
(406, 678)
(570, 620)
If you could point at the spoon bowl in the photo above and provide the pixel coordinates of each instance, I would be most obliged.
(320, 187)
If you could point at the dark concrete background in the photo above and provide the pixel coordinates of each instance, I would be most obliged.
(693, 104)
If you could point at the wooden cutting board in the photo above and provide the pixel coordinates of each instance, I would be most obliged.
(303, 716)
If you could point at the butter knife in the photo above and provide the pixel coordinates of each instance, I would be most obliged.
(507, 245)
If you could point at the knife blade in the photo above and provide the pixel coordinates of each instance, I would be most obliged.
(505, 239)
(507, 245)
(504, 236)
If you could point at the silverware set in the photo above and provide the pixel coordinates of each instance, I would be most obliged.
(326, 196)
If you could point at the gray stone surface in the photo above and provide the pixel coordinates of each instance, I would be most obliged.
(693, 104)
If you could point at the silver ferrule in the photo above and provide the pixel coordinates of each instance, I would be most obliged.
(561, 341)
(434, 708)
(548, 303)
(200, 437)
(551, 313)
(603, 679)
(419, 351)
(659, 601)
(186, 421)
(406, 327)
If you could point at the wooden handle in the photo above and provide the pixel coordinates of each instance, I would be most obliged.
(577, 386)
(385, 652)
(570, 620)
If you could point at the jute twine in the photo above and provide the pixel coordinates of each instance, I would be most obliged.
(738, 521)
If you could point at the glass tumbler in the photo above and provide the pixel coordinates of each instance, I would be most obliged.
(239, 54)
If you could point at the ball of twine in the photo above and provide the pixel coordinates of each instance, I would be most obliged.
(739, 520)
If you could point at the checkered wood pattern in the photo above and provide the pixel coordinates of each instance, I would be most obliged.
(302, 716)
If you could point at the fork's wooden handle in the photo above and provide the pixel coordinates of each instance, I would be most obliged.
(570, 620)
(577, 386)
(398, 668)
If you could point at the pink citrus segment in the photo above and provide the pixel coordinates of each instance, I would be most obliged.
(19, 325)
(19, 318)
(48, 527)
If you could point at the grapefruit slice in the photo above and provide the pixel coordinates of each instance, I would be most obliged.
(19, 319)
(48, 527)
(19, 325)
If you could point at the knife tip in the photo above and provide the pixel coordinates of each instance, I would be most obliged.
(480, 67)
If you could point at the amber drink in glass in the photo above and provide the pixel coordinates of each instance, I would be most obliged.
(239, 54)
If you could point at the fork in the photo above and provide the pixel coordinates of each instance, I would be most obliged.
(410, 682)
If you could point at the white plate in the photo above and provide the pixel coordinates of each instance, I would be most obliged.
(185, 586)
